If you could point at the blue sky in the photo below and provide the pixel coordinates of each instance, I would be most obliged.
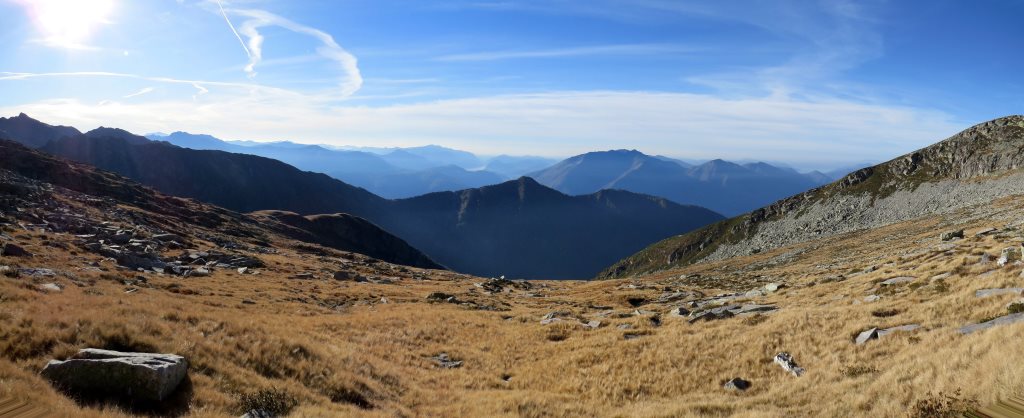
(812, 83)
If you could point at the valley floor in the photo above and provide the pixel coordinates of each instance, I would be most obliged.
(370, 348)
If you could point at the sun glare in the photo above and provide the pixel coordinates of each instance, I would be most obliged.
(69, 23)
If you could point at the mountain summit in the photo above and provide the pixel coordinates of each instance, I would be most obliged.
(977, 165)
(719, 185)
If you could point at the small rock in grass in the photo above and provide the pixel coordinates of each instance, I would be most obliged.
(786, 361)
(737, 383)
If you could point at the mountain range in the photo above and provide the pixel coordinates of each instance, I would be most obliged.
(518, 228)
(722, 186)
(387, 172)
(719, 185)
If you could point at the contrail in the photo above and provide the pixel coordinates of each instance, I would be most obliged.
(225, 14)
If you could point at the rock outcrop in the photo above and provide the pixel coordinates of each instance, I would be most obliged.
(135, 375)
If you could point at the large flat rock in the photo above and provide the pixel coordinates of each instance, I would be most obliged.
(1003, 320)
(145, 376)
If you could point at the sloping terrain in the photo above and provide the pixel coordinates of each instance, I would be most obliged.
(345, 232)
(312, 331)
(722, 186)
(518, 228)
(972, 167)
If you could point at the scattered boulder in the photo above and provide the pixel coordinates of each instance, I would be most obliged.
(737, 383)
(50, 287)
(1008, 255)
(786, 361)
(672, 296)
(865, 336)
(875, 333)
(144, 376)
(1003, 320)
(680, 312)
(729, 311)
(951, 235)
(11, 250)
(445, 362)
(199, 272)
(441, 297)
(552, 317)
(37, 272)
(595, 324)
(986, 231)
(897, 280)
(348, 275)
(984, 293)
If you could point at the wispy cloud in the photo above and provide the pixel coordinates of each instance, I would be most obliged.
(255, 19)
(144, 90)
(628, 49)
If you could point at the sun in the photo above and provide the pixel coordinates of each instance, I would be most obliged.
(68, 23)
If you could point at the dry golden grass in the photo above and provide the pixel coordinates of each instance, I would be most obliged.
(337, 349)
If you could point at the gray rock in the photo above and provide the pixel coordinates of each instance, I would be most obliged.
(167, 238)
(595, 324)
(680, 311)
(37, 272)
(258, 413)
(1008, 255)
(199, 272)
(729, 311)
(986, 231)
(737, 383)
(897, 280)
(950, 235)
(984, 293)
(871, 298)
(11, 250)
(865, 336)
(138, 375)
(446, 362)
(786, 361)
(50, 287)
(672, 296)
(875, 333)
(1003, 320)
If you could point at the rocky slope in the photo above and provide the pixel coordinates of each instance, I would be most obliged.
(347, 233)
(975, 166)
